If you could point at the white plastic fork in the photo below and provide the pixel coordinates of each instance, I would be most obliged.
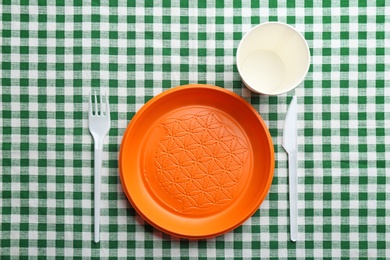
(99, 125)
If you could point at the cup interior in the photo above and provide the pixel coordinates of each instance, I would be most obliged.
(273, 58)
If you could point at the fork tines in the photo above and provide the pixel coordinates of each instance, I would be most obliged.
(96, 110)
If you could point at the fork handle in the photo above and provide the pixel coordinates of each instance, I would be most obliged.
(98, 168)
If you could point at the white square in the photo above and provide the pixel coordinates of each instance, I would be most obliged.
(32, 251)
(157, 27)
(33, 74)
(264, 12)
(105, 43)
(122, 43)
(69, 27)
(15, 26)
(86, 10)
(122, 75)
(51, 251)
(122, 27)
(319, 29)
(104, 26)
(51, 10)
(68, 43)
(104, 11)
(86, 42)
(33, 26)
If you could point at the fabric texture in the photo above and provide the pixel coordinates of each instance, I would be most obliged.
(53, 53)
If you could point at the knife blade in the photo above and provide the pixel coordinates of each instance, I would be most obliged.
(290, 135)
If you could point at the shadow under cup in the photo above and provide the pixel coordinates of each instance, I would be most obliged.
(273, 58)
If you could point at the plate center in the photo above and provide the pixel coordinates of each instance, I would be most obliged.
(195, 160)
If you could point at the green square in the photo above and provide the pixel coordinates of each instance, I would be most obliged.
(60, 18)
(113, 67)
(148, 67)
(344, 19)
(274, 245)
(362, 35)
(202, 20)
(344, 67)
(95, 35)
(326, 19)
(77, 18)
(184, 19)
(23, 243)
(95, 66)
(61, 50)
(380, 212)
(362, 19)
(42, 115)
(60, 130)
(149, 51)
(149, 35)
(344, 36)
(326, 68)
(309, 19)
(345, 196)
(60, 66)
(42, 50)
(184, 36)
(42, 162)
(166, 19)
(42, 18)
(113, 19)
(219, 20)
(6, 33)
(202, 36)
(6, 49)
(7, 114)
(6, 17)
(327, 164)
(290, 20)
(113, 3)
(24, 18)
(202, 52)
(60, 34)
(6, 66)
(237, 20)
(345, 245)
(113, 35)
(380, 18)
(60, 83)
(184, 52)
(77, 34)
(380, 67)
(362, 51)
(272, 4)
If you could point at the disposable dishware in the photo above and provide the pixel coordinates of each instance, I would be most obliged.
(290, 145)
(272, 58)
(99, 125)
(196, 161)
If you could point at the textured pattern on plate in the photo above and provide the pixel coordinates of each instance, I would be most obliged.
(199, 160)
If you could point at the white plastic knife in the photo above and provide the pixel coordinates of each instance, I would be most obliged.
(290, 145)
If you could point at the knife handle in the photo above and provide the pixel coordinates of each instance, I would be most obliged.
(293, 183)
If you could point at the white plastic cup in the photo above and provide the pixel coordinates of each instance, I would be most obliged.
(272, 58)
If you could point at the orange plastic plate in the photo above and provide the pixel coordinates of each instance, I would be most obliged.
(196, 161)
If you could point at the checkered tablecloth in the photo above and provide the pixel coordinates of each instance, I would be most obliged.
(53, 53)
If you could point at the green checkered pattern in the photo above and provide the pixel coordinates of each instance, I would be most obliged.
(53, 53)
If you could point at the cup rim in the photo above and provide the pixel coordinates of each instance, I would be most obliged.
(284, 90)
